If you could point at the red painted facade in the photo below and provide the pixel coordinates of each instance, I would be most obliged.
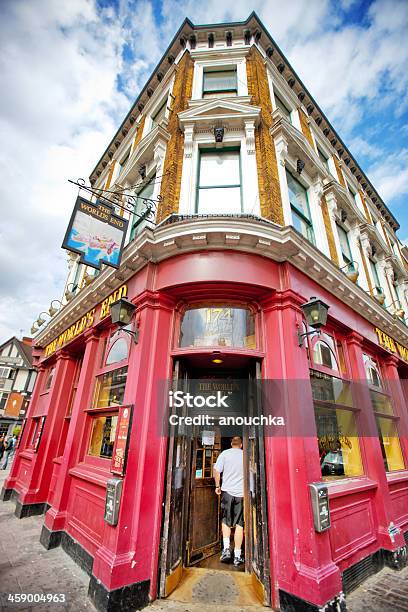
(61, 473)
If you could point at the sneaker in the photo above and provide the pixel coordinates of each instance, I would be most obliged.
(225, 556)
(238, 561)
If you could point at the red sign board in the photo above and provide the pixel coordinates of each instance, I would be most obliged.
(119, 456)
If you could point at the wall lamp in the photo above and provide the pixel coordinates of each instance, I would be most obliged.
(40, 321)
(52, 310)
(315, 312)
(70, 293)
(121, 313)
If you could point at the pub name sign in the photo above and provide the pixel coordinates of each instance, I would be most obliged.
(391, 345)
(86, 321)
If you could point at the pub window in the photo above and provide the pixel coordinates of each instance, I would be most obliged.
(337, 436)
(110, 388)
(103, 435)
(299, 204)
(118, 351)
(34, 431)
(219, 182)
(387, 422)
(218, 325)
(142, 203)
(49, 378)
(335, 413)
(218, 81)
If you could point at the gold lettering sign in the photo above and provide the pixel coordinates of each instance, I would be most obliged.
(391, 345)
(84, 322)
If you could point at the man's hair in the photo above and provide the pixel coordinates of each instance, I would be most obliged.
(236, 441)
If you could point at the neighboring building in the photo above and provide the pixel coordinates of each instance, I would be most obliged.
(17, 378)
(260, 205)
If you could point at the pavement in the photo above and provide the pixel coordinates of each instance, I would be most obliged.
(26, 567)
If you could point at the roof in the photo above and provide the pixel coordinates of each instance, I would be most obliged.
(175, 46)
(25, 350)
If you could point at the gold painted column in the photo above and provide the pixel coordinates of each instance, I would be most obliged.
(268, 178)
(173, 163)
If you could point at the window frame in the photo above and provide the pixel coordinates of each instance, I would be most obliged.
(215, 150)
(349, 258)
(374, 273)
(279, 103)
(293, 208)
(218, 69)
(150, 181)
(383, 390)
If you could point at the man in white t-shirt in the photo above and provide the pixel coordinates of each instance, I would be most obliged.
(230, 464)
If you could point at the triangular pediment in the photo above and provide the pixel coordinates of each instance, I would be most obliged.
(219, 108)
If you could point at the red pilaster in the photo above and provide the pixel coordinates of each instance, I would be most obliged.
(292, 462)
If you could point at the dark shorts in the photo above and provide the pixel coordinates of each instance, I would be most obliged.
(232, 509)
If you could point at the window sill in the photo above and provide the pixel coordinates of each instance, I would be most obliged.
(27, 453)
(91, 474)
(57, 460)
(397, 476)
(350, 486)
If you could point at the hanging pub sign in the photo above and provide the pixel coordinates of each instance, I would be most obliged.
(38, 434)
(96, 233)
(120, 448)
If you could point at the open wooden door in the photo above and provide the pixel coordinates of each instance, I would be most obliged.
(256, 531)
(204, 515)
(178, 458)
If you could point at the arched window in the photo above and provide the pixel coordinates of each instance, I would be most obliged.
(324, 352)
(218, 325)
(372, 372)
(117, 352)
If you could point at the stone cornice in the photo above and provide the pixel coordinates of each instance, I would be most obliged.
(249, 235)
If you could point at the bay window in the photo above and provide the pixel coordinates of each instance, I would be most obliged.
(299, 204)
(387, 422)
(219, 181)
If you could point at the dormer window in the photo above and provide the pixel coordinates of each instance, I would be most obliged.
(220, 82)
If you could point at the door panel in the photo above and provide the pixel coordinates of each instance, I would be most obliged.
(171, 562)
(256, 510)
(204, 524)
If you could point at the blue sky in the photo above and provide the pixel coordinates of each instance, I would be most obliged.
(70, 71)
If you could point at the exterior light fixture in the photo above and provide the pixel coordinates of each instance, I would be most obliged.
(217, 360)
(121, 313)
(70, 293)
(40, 321)
(52, 310)
(315, 312)
(379, 295)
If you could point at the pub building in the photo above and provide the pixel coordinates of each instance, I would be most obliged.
(266, 254)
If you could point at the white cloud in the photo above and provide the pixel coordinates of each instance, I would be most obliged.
(390, 175)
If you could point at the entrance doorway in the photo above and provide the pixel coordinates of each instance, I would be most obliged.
(191, 535)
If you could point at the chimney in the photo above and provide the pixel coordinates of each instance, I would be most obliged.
(26, 340)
